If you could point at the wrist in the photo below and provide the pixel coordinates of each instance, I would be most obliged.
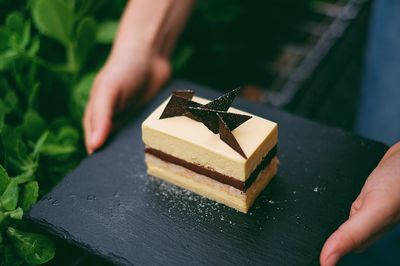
(139, 26)
(151, 26)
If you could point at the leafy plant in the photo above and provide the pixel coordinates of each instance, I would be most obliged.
(32, 248)
(46, 71)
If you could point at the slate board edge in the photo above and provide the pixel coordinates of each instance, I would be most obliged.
(60, 233)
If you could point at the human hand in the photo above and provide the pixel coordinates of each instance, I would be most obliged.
(376, 210)
(125, 82)
(138, 65)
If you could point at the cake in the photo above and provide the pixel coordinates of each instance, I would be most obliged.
(210, 148)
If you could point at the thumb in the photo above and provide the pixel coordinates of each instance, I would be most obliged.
(358, 230)
(98, 117)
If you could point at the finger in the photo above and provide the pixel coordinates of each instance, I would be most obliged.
(100, 116)
(356, 231)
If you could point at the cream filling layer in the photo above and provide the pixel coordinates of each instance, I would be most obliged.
(208, 187)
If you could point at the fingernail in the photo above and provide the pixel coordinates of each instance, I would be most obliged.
(94, 139)
(333, 259)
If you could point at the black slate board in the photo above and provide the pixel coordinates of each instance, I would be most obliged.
(109, 205)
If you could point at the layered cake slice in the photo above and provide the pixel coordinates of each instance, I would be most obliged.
(208, 147)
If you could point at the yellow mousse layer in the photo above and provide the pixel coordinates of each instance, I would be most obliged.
(193, 142)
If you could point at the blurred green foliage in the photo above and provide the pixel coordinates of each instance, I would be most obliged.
(47, 66)
(50, 51)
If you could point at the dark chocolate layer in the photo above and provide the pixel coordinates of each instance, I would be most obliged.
(228, 180)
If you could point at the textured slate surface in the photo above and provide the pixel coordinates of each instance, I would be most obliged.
(111, 207)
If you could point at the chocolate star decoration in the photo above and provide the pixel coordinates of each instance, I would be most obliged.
(176, 105)
(214, 115)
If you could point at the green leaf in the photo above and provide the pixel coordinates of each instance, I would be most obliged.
(15, 214)
(34, 47)
(9, 198)
(80, 95)
(54, 19)
(26, 162)
(26, 35)
(10, 101)
(84, 7)
(33, 97)
(2, 218)
(15, 22)
(86, 33)
(25, 177)
(4, 179)
(39, 143)
(63, 143)
(20, 30)
(106, 32)
(15, 154)
(57, 150)
(7, 58)
(33, 125)
(17, 158)
(30, 195)
(9, 256)
(5, 36)
(68, 135)
(32, 248)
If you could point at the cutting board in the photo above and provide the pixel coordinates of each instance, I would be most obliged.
(111, 207)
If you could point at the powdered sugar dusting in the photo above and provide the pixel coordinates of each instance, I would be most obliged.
(185, 203)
